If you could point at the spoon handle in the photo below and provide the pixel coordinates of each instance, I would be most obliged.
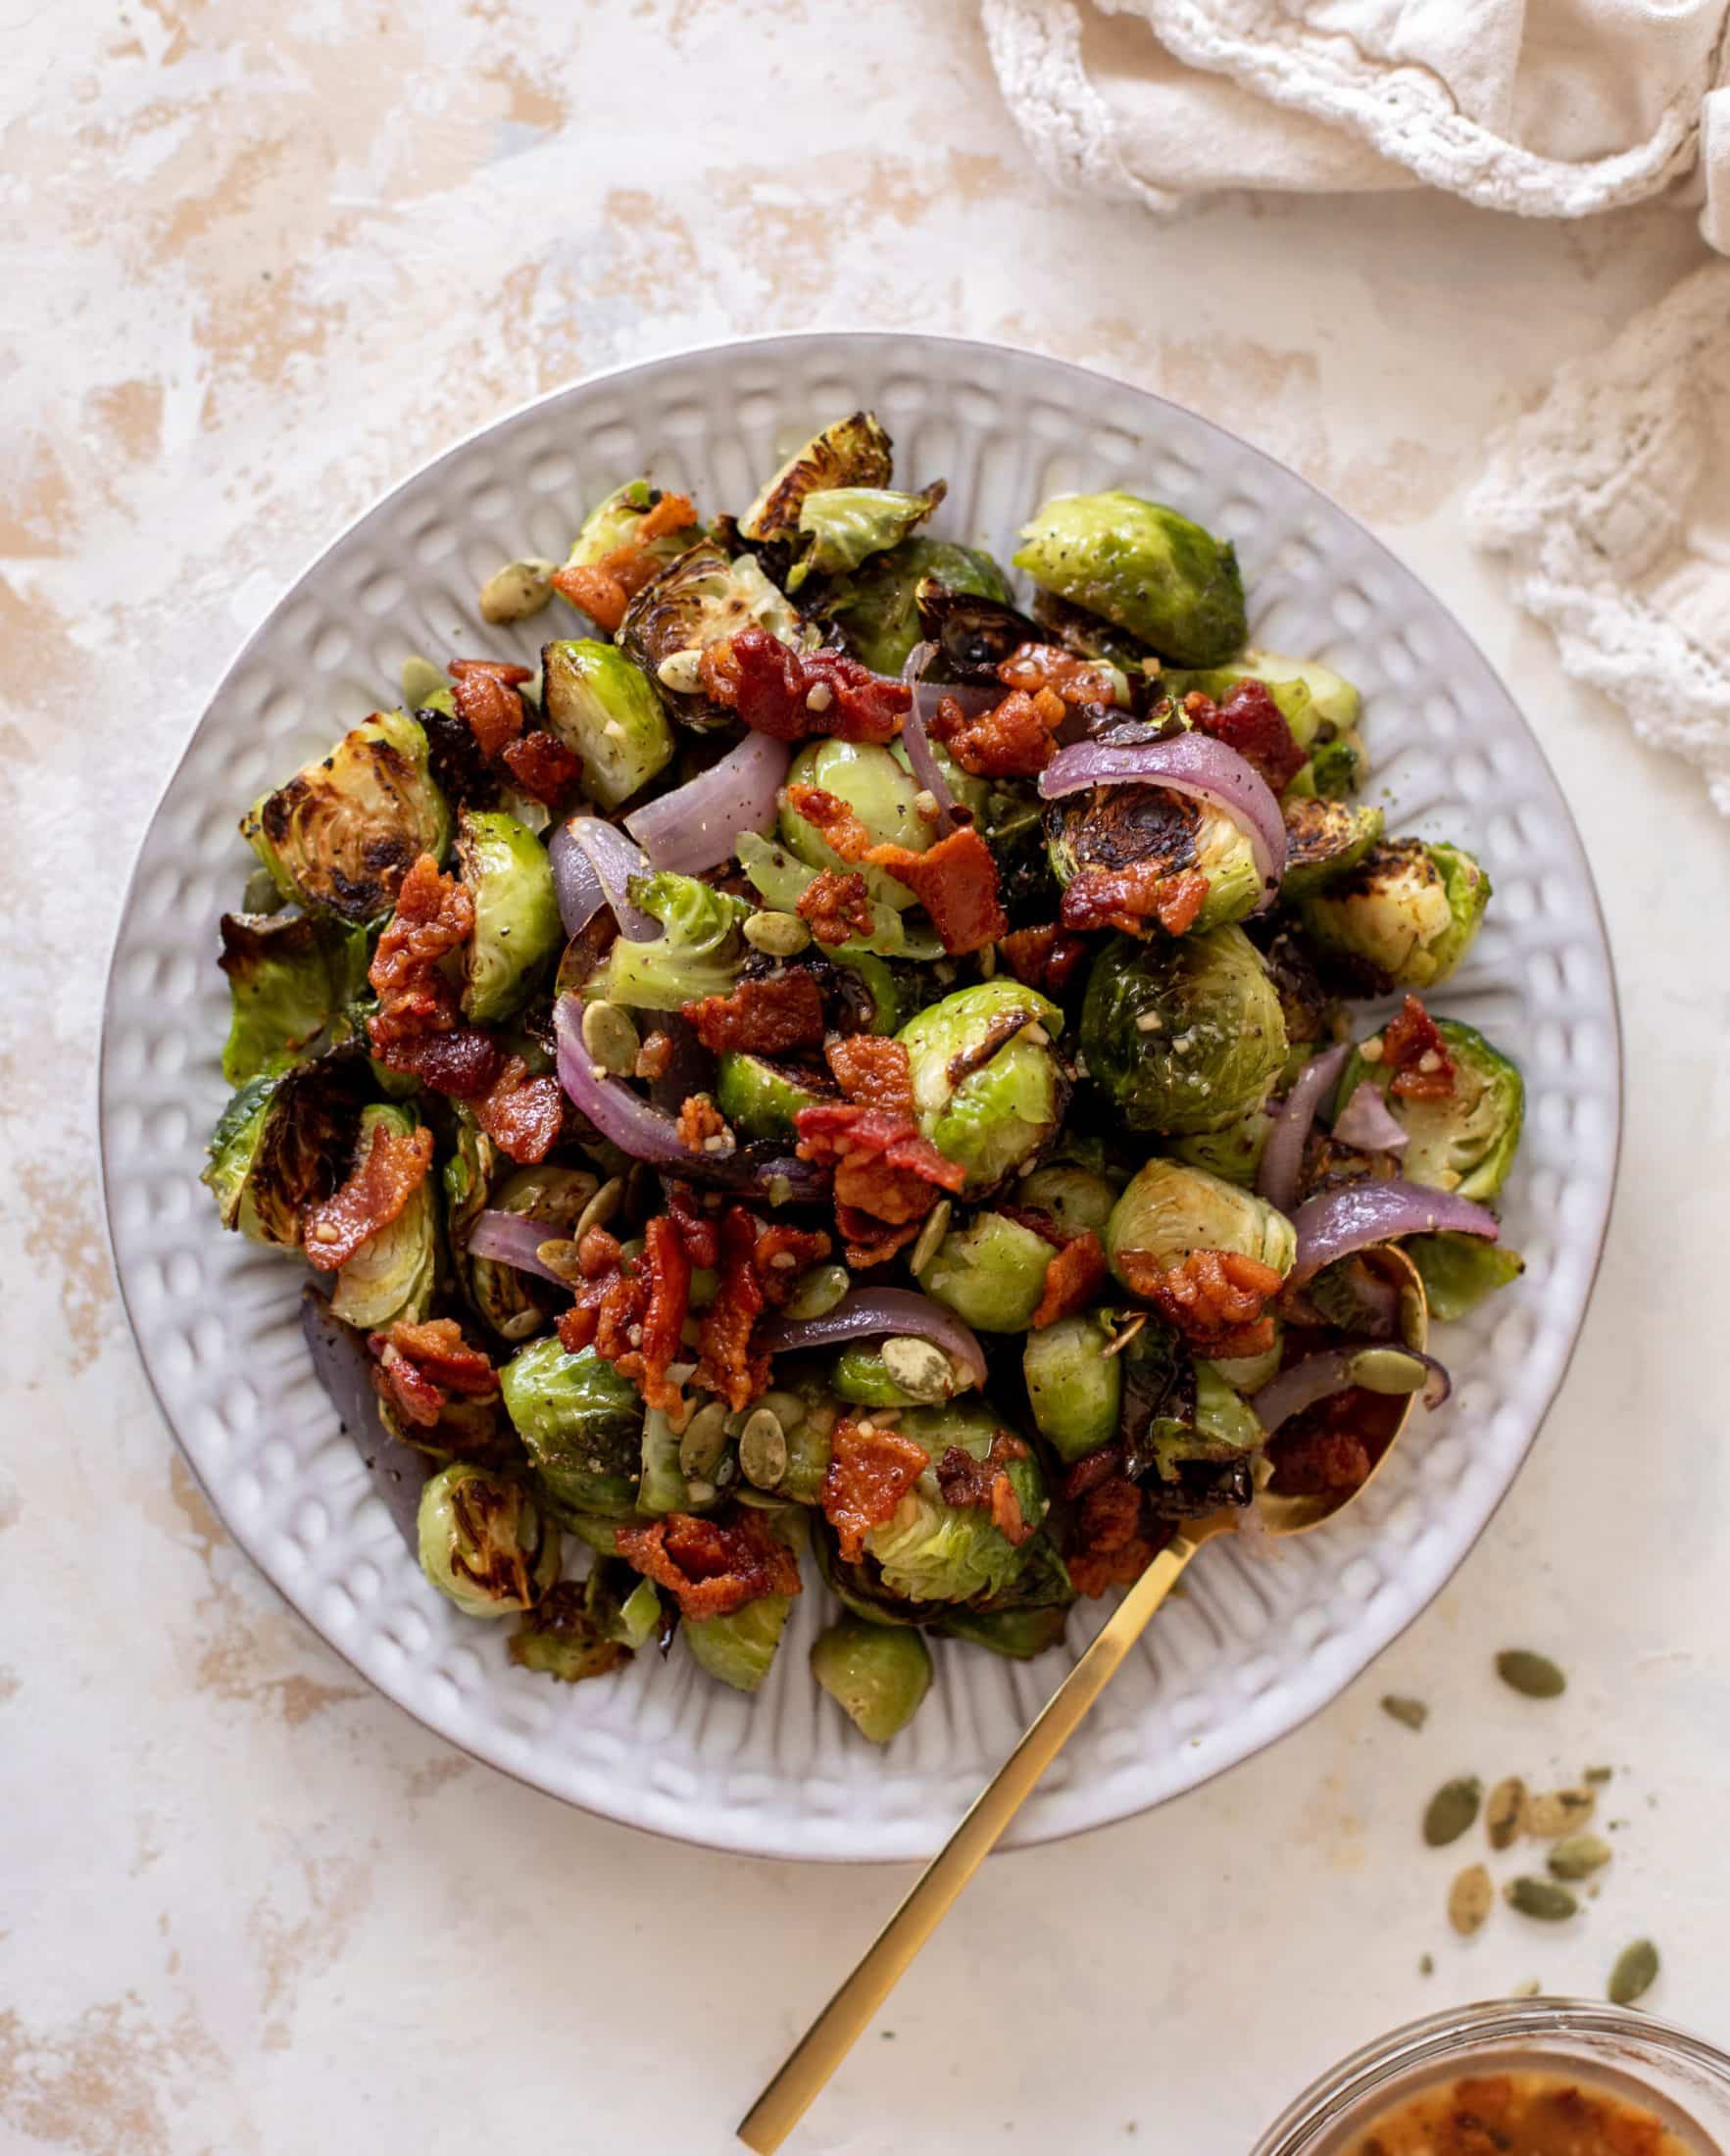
(830, 2038)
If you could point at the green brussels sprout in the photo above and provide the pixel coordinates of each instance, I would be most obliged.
(291, 978)
(608, 713)
(879, 790)
(281, 1144)
(1465, 1142)
(1313, 1016)
(738, 1649)
(1143, 567)
(758, 1098)
(613, 523)
(1170, 1209)
(485, 1542)
(839, 526)
(393, 1273)
(991, 1273)
(700, 955)
(1233, 1154)
(1184, 1034)
(932, 1552)
(1076, 1199)
(340, 836)
(514, 1303)
(986, 1082)
(1323, 840)
(1334, 772)
(1219, 1430)
(1247, 1374)
(696, 601)
(783, 881)
(1459, 1271)
(853, 452)
(877, 605)
(1017, 1634)
(516, 926)
(1111, 827)
(875, 1674)
(1408, 911)
(581, 1425)
(1073, 1387)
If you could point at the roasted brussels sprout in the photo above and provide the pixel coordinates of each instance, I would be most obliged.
(840, 526)
(1076, 1199)
(1143, 567)
(877, 605)
(879, 790)
(1073, 1387)
(589, 1628)
(1234, 1153)
(1196, 1459)
(1459, 1271)
(877, 1674)
(581, 1425)
(606, 711)
(613, 523)
(1323, 840)
(341, 835)
(1125, 826)
(974, 633)
(1184, 1034)
(986, 1081)
(291, 978)
(694, 602)
(1332, 698)
(516, 926)
(1335, 770)
(485, 1542)
(1017, 1634)
(784, 879)
(1466, 1141)
(932, 1551)
(700, 955)
(1170, 1209)
(1088, 636)
(991, 1273)
(758, 1098)
(514, 1303)
(393, 1273)
(282, 1142)
(738, 1649)
(1408, 911)
(853, 452)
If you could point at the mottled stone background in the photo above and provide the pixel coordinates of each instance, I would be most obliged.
(259, 261)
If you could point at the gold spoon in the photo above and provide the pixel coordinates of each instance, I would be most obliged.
(847, 2016)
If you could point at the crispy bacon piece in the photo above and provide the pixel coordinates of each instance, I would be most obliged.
(1078, 681)
(871, 1070)
(1316, 1455)
(419, 1367)
(1111, 1549)
(835, 905)
(375, 1191)
(702, 1127)
(781, 1254)
(1217, 1300)
(870, 1470)
(655, 1056)
(844, 830)
(1253, 723)
(610, 1302)
(1412, 1048)
(1130, 898)
(605, 588)
(966, 1480)
(765, 1017)
(699, 1228)
(1043, 957)
(543, 767)
(463, 1063)
(712, 1567)
(882, 1164)
(667, 1272)
(789, 695)
(521, 1114)
(1073, 1277)
(956, 882)
(435, 915)
(1015, 739)
(866, 1241)
(724, 1361)
(484, 694)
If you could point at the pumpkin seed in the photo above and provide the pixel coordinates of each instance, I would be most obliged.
(560, 1256)
(704, 1442)
(420, 682)
(930, 1235)
(611, 1039)
(1559, 1812)
(1542, 1898)
(1598, 1776)
(1470, 1899)
(763, 1449)
(1452, 1810)
(1413, 1714)
(1579, 1856)
(1505, 1811)
(1535, 1676)
(1528, 1990)
(787, 1408)
(781, 935)
(681, 672)
(816, 1293)
(1426, 1966)
(518, 590)
(600, 1208)
(1635, 1973)
(920, 1367)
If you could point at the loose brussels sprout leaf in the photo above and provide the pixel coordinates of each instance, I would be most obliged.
(759, 1097)
(991, 1273)
(1018, 1634)
(581, 1426)
(879, 790)
(738, 1649)
(841, 525)
(853, 452)
(876, 1675)
(1459, 1271)
(1170, 1209)
(1233, 1154)
(878, 606)
(393, 1273)
(516, 926)
(694, 602)
(700, 955)
(613, 523)
(1125, 826)
(986, 1082)
(1323, 840)
(1334, 772)
(1466, 1141)
(1073, 1387)
(485, 1542)
(1408, 911)
(1143, 567)
(341, 835)
(784, 880)
(1181, 1456)
(933, 1552)
(1184, 1034)
(608, 713)
(291, 977)
(281, 1143)
(1076, 1199)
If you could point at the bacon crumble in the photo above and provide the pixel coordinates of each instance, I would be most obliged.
(767, 1016)
(955, 880)
(965, 1481)
(872, 1070)
(836, 906)
(1127, 899)
(871, 1468)
(1413, 1049)
(604, 589)
(1078, 681)
(725, 1364)
(712, 1567)
(1111, 1550)
(1253, 723)
(1045, 958)
(542, 767)
(702, 1127)
(1217, 1300)
(420, 1365)
(373, 1196)
(1014, 739)
(791, 694)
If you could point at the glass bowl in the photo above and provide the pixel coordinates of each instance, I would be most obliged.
(1684, 2081)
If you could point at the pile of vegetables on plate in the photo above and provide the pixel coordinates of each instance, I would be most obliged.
(836, 1064)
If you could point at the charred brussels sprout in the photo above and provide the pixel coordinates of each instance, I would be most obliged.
(758, 1098)
(606, 713)
(1184, 1034)
(974, 633)
(613, 523)
(878, 606)
(1143, 567)
(581, 1425)
(1126, 826)
(393, 1272)
(1076, 1199)
(485, 1542)
(1335, 770)
(700, 955)
(1323, 840)
(694, 602)
(1196, 1459)
(986, 1081)
(1170, 1209)
(1459, 1271)
(1466, 1141)
(1073, 1387)
(877, 1674)
(587, 1629)
(517, 926)
(739, 1650)
(991, 1273)
(840, 526)
(291, 977)
(853, 452)
(879, 790)
(281, 1143)
(341, 835)
(932, 1551)
(1408, 911)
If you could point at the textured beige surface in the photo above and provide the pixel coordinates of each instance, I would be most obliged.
(261, 262)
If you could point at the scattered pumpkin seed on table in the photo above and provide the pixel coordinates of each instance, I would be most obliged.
(1411, 1713)
(1535, 1676)
(1542, 1898)
(1504, 1812)
(1635, 1973)
(1470, 1899)
(1559, 1812)
(1579, 1856)
(1452, 1810)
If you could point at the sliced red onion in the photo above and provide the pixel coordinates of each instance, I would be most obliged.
(512, 1238)
(698, 824)
(1193, 763)
(973, 697)
(575, 883)
(1283, 1157)
(877, 1313)
(342, 1367)
(1375, 1366)
(1367, 1122)
(1361, 1214)
(613, 860)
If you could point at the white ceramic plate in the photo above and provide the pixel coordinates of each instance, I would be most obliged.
(1253, 1647)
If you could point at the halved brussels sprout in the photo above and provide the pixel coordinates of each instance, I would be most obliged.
(700, 955)
(986, 1081)
(1170, 1209)
(291, 977)
(606, 713)
(853, 452)
(1323, 840)
(345, 830)
(932, 1552)
(1073, 1387)
(1465, 1142)
(514, 1303)
(694, 602)
(1233, 1154)
(581, 1425)
(1408, 911)
(281, 1143)
(485, 1542)
(517, 924)
(840, 526)
(738, 1649)
(761, 1097)
(877, 1674)
(879, 790)
(1126, 826)
(613, 523)
(878, 606)
(1459, 1271)
(1076, 1199)
(991, 1273)
(1143, 567)
(1088, 636)
(1184, 1034)
(393, 1273)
